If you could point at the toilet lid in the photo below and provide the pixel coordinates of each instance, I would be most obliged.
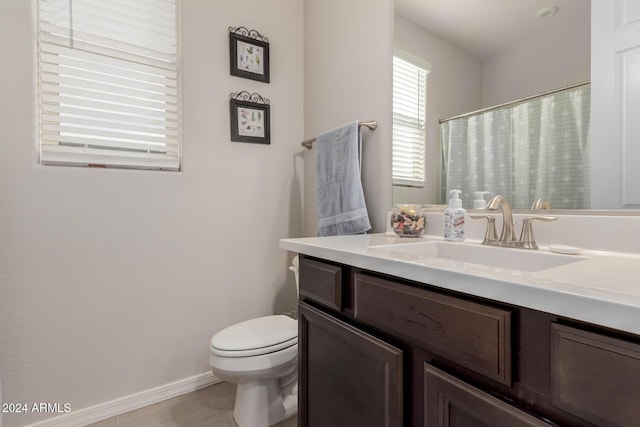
(256, 336)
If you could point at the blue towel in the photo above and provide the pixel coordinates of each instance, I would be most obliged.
(339, 195)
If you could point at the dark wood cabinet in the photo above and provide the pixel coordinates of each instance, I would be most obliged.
(474, 335)
(347, 378)
(450, 402)
(595, 377)
(322, 283)
(381, 351)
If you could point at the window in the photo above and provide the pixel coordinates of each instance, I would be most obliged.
(108, 83)
(409, 99)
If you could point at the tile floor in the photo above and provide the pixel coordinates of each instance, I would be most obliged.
(209, 407)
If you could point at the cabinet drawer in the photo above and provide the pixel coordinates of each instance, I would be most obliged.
(595, 377)
(450, 402)
(473, 335)
(321, 283)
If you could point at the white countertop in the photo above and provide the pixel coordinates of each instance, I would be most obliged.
(603, 288)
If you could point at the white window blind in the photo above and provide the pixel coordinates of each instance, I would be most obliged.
(108, 83)
(409, 99)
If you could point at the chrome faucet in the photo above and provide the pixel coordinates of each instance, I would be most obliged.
(500, 202)
(540, 203)
(507, 236)
(527, 239)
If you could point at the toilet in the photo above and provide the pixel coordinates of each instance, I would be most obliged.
(260, 356)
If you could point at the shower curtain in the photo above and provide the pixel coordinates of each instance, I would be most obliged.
(537, 148)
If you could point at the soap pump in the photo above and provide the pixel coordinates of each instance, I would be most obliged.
(455, 218)
(478, 199)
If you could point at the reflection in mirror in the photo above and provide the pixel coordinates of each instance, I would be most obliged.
(522, 151)
(500, 51)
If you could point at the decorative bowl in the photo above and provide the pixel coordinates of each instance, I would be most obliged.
(408, 220)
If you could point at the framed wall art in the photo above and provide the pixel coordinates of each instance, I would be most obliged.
(250, 119)
(248, 54)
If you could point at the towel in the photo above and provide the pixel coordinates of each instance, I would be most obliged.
(339, 195)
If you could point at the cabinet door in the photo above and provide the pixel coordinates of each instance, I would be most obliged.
(450, 402)
(347, 377)
(595, 377)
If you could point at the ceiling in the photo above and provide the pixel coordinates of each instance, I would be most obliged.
(485, 27)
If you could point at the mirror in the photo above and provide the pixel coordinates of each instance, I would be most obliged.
(487, 53)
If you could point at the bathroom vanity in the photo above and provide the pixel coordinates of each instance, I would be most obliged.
(393, 335)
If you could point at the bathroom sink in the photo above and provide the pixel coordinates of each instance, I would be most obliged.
(512, 259)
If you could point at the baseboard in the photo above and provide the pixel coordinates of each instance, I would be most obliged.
(121, 405)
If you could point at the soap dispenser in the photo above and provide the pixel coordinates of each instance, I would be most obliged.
(478, 199)
(455, 218)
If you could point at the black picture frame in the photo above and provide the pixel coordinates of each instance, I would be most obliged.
(250, 120)
(248, 54)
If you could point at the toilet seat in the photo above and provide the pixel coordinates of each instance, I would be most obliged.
(254, 337)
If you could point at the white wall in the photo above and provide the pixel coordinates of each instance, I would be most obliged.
(347, 58)
(113, 281)
(454, 86)
(553, 59)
